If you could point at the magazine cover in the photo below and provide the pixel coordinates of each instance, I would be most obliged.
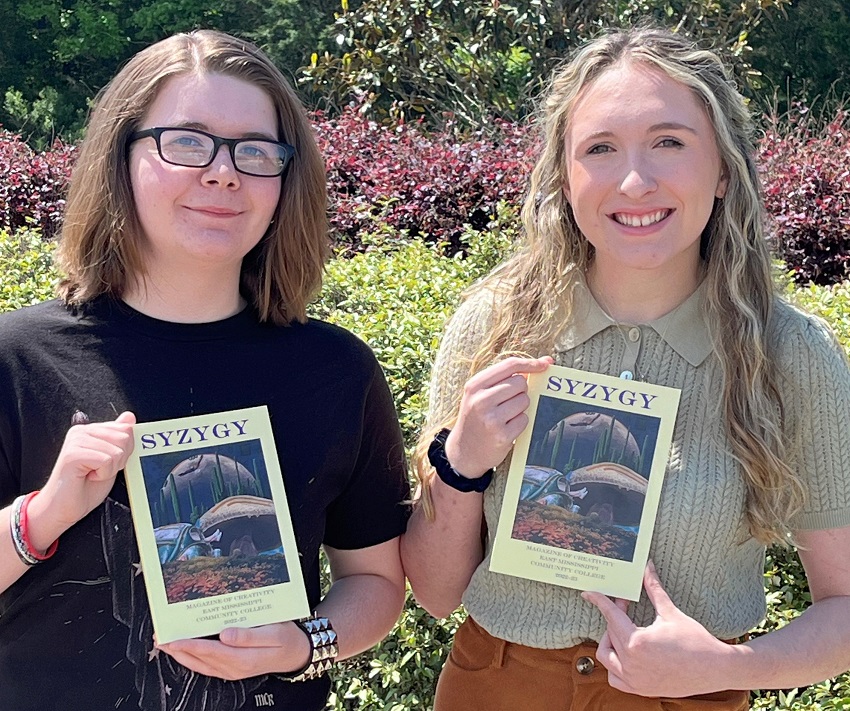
(215, 537)
(584, 482)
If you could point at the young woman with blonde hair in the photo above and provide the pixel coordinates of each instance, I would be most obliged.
(194, 237)
(644, 258)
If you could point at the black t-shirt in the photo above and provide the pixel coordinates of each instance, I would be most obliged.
(75, 631)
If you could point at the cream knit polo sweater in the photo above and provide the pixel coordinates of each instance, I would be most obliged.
(708, 563)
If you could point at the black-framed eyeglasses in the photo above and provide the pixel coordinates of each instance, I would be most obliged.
(192, 148)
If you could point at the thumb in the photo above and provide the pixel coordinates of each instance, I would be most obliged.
(262, 636)
(235, 637)
(126, 418)
(655, 591)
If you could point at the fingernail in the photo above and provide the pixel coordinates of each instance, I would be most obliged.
(79, 418)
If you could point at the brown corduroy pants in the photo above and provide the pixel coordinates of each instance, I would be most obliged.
(484, 673)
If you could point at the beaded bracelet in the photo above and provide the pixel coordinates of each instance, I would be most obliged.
(20, 533)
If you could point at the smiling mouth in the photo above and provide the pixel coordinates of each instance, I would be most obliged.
(216, 211)
(640, 220)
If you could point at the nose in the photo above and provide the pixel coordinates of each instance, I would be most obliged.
(222, 171)
(638, 180)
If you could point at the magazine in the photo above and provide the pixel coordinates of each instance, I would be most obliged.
(584, 482)
(215, 536)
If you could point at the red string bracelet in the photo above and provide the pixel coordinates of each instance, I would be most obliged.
(20, 522)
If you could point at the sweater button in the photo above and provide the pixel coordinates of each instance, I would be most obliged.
(634, 334)
(585, 665)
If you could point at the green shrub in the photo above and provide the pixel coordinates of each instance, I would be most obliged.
(378, 295)
(785, 579)
(787, 596)
(397, 298)
(26, 269)
(397, 295)
(401, 673)
(831, 303)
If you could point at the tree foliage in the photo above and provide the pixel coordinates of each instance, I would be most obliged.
(56, 54)
(802, 54)
(477, 58)
(472, 59)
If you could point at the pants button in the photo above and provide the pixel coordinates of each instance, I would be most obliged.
(585, 665)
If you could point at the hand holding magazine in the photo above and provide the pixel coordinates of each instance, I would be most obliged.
(215, 537)
(584, 482)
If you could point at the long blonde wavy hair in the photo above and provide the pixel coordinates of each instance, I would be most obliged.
(100, 244)
(537, 282)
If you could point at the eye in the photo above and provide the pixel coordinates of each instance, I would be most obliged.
(670, 143)
(185, 147)
(184, 140)
(255, 150)
(599, 149)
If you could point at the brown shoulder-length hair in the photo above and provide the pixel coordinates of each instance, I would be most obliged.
(100, 245)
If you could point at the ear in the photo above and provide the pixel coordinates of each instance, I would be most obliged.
(566, 190)
(722, 185)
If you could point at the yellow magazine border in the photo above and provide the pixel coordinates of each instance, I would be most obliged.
(573, 568)
(246, 608)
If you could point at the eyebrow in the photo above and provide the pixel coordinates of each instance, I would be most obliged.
(655, 128)
(672, 126)
(258, 135)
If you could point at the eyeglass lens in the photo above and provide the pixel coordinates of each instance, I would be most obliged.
(195, 149)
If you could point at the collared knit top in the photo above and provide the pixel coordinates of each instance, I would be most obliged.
(708, 563)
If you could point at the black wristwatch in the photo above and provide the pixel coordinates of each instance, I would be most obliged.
(446, 472)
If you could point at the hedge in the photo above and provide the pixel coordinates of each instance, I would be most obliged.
(396, 294)
(435, 186)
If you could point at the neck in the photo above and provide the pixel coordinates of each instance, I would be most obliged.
(640, 297)
(187, 301)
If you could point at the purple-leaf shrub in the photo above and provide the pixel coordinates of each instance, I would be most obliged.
(33, 184)
(805, 166)
(427, 184)
(431, 185)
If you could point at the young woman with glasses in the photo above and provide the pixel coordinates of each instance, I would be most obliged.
(644, 258)
(194, 236)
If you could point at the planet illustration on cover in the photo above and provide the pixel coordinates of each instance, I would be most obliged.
(215, 523)
(585, 479)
